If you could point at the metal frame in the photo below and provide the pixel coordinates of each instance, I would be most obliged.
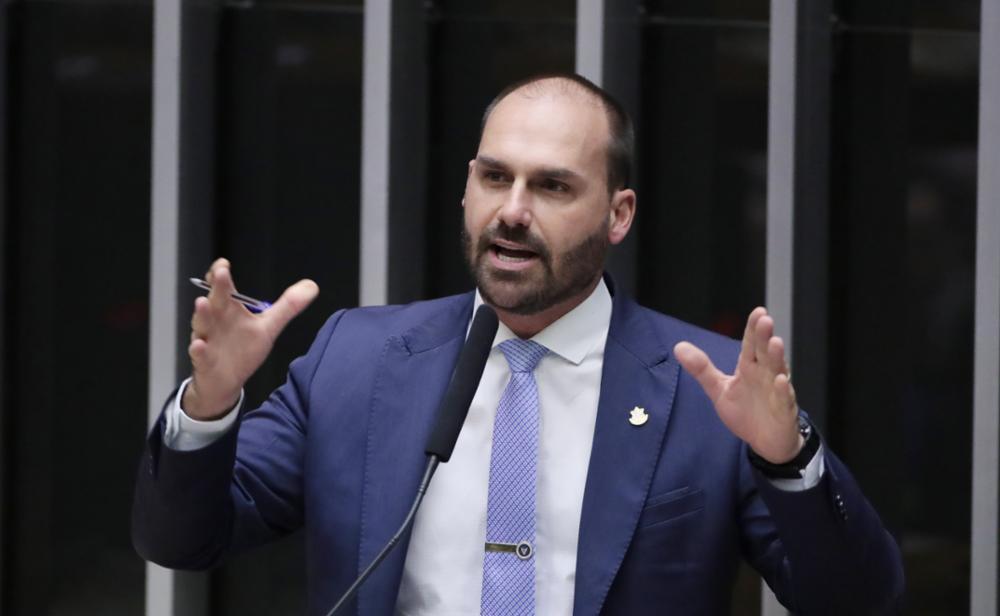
(986, 387)
(163, 246)
(781, 191)
(590, 39)
(168, 593)
(393, 148)
(798, 147)
(3, 285)
(373, 285)
(781, 166)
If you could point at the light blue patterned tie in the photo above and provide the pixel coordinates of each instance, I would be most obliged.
(509, 563)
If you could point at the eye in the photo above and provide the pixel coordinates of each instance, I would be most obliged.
(494, 176)
(554, 186)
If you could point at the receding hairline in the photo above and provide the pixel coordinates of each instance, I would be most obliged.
(619, 131)
(553, 85)
(556, 85)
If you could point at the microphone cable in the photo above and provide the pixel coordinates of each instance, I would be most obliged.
(451, 415)
(432, 463)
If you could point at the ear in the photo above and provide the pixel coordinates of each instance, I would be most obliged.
(621, 215)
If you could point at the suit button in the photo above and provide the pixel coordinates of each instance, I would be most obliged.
(841, 507)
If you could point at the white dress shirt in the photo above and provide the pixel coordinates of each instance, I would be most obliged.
(444, 563)
(443, 574)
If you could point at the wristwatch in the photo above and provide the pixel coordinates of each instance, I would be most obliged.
(794, 467)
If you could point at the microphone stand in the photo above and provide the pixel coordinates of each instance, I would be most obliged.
(432, 463)
(451, 416)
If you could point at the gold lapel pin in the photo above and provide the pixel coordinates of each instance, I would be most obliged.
(638, 416)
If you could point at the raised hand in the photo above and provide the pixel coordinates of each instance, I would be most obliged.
(756, 402)
(229, 343)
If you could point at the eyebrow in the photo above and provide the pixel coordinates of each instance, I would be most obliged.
(558, 173)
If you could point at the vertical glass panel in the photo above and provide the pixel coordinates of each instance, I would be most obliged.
(505, 10)
(713, 11)
(702, 139)
(78, 239)
(902, 258)
(899, 16)
(702, 149)
(312, 5)
(288, 208)
(472, 58)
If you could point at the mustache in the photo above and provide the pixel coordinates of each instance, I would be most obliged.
(519, 235)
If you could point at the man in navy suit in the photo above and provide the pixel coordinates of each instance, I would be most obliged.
(650, 482)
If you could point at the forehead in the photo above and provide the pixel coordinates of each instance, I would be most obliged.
(548, 127)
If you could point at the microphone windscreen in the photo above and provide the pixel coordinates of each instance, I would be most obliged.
(464, 383)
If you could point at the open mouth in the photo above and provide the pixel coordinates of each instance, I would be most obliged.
(512, 255)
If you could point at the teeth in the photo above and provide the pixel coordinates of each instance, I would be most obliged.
(512, 256)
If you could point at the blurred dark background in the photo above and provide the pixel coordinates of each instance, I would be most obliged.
(272, 94)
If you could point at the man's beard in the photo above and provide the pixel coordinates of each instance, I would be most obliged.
(525, 293)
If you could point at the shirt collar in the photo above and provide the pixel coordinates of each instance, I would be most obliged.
(575, 333)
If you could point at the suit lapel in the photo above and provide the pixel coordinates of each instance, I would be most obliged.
(415, 369)
(638, 371)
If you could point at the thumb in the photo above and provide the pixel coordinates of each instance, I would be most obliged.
(294, 300)
(698, 365)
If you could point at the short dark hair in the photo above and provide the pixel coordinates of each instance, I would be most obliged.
(621, 143)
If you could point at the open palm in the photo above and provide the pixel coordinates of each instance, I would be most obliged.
(756, 402)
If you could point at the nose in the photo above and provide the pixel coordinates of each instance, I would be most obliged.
(516, 209)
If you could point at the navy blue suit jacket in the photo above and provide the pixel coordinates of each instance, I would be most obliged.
(668, 511)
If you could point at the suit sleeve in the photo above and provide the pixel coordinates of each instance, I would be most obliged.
(822, 550)
(193, 508)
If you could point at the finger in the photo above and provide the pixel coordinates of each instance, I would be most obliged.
(222, 289)
(220, 262)
(785, 393)
(201, 320)
(294, 300)
(698, 365)
(747, 350)
(198, 352)
(763, 330)
(776, 356)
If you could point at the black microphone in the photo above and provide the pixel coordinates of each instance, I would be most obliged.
(464, 383)
(451, 415)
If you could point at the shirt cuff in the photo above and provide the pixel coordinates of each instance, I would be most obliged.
(811, 475)
(182, 433)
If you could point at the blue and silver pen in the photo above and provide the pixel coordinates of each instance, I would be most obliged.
(255, 306)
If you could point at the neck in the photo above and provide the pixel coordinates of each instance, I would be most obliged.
(527, 325)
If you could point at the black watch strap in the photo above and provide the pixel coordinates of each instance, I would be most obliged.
(794, 467)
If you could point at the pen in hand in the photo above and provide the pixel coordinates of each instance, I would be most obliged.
(255, 306)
